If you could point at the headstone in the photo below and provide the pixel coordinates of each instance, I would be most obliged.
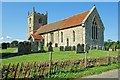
(73, 48)
(35, 46)
(61, 48)
(42, 46)
(50, 48)
(20, 48)
(80, 48)
(27, 47)
(67, 48)
(24, 47)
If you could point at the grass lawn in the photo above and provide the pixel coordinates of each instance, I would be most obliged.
(57, 55)
(8, 50)
(4, 52)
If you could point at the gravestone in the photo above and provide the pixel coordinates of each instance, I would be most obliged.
(35, 46)
(20, 48)
(73, 48)
(27, 47)
(24, 47)
(87, 48)
(50, 48)
(61, 48)
(67, 48)
(42, 46)
(80, 48)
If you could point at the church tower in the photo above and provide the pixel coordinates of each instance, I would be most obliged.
(35, 21)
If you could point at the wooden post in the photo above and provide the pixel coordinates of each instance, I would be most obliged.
(85, 60)
(50, 49)
(85, 56)
(108, 58)
(7, 71)
(16, 71)
(50, 61)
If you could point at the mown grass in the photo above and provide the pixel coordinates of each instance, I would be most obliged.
(8, 50)
(86, 72)
(57, 55)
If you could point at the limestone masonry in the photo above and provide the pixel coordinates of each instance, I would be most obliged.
(85, 28)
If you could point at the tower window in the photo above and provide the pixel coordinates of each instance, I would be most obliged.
(40, 20)
(30, 21)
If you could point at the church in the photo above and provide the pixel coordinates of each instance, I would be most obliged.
(85, 28)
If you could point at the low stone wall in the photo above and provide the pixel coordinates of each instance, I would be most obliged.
(39, 70)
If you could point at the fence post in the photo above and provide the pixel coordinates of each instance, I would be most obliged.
(85, 55)
(50, 62)
(7, 71)
(16, 70)
(85, 60)
(108, 59)
(50, 49)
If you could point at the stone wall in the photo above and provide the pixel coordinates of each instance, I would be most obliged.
(98, 43)
(67, 33)
(83, 34)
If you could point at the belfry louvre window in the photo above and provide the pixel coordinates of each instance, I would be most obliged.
(40, 20)
(73, 36)
(94, 29)
(61, 36)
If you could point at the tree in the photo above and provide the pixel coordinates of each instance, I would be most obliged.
(14, 43)
(109, 40)
(4, 45)
(8, 44)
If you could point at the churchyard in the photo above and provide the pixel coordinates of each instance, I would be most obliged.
(34, 62)
(57, 55)
(67, 63)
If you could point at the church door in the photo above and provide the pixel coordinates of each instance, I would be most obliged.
(67, 42)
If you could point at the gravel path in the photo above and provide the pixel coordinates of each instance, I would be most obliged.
(108, 74)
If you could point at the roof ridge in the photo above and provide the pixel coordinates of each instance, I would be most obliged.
(77, 14)
(67, 17)
(64, 23)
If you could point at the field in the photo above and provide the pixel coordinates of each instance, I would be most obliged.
(57, 55)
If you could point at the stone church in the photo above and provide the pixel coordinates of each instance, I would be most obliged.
(85, 28)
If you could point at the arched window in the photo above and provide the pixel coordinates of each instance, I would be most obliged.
(94, 29)
(61, 36)
(73, 36)
(52, 37)
(67, 42)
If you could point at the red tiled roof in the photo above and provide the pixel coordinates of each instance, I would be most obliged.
(65, 23)
(37, 37)
(74, 20)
